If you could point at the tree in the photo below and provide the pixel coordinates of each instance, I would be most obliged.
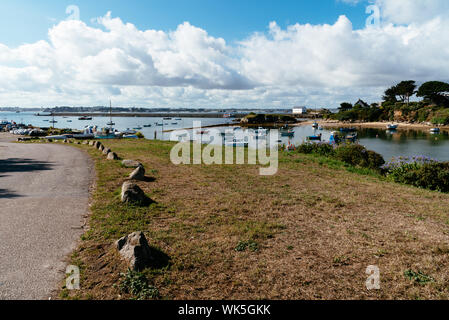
(405, 90)
(345, 106)
(390, 95)
(434, 91)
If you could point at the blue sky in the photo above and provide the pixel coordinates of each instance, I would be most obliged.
(27, 21)
(277, 53)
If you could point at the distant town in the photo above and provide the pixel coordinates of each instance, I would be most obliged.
(58, 110)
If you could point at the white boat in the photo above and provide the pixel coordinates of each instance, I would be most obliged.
(60, 137)
(435, 130)
(287, 133)
(392, 126)
(110, 123)
(84, 136)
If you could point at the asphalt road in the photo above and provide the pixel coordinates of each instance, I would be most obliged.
(44, 194)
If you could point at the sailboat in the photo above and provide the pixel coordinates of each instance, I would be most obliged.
(53, 121)
(110, 123)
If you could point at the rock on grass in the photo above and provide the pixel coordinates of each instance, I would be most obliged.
(112, 156)
(136, 251)
(131, 164)
(138, 174)
(132, 194)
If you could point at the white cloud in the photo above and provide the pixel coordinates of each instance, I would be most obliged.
(317, 65)
(413, 11)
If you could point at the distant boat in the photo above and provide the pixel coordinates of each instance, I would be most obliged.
(85, 118)
(147, 126)
(287, 133)
(315, 138)
(435, 130)
(315, 125)
(167, 118)
(84, 136)
(105, 135)
(110, 123)
(348, 129)
(60, 137)
(178, 119)
(174, 123)
(352, 137)
(130, 136)
(392, 126)
(69, 121)
(138, 128)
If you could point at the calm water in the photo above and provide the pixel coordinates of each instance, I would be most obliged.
(121, 123)
(389, 144)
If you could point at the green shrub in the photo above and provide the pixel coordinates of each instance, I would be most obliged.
(357, 155)
(352, 154)
(322, 149)
(432, 176)
(136, 283)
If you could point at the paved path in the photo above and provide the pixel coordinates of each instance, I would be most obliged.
(44, 192)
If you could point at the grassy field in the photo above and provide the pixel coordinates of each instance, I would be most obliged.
(308, 232)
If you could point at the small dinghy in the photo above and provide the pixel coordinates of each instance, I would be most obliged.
(315, 138)
(392, 126)
(435, 130)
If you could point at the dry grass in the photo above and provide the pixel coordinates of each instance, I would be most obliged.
(312, 230)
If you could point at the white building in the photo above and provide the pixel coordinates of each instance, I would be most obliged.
(299, 110)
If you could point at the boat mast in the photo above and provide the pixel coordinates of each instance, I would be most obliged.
(110, 113)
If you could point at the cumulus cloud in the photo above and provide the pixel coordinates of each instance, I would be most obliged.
(316, 65)
(413, 11)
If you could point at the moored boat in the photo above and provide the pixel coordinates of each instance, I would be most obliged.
(392, 126)
(287, 133)
(315, 138)
(130, 136)
(352, 137)
(348, 129)
(435, 130)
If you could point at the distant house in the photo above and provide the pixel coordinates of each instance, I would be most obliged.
(299, 110)
(361, 103)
